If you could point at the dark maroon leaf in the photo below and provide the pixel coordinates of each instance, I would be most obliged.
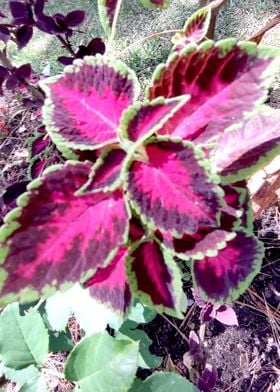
(96, 45)
(12, 82)
(82, 52)
(18, 9)
(39, 7)
(23, 20)
(136, 231)
(24, 71)
(61, 25)
(207, 379)
(46, 24)
(23, 35)
(4, 34)
(3, 72)
(2, 15)
(65, 60)
(74, 18)
(13, 191)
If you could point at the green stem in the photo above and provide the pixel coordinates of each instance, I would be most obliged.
(114, 24)
(148, 37)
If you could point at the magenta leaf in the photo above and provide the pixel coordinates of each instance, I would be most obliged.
(109, 285)
(226, 275)
(55, 238)
(244, 150)
(142, 120)
(190, 198)
(107, 9)
(214, 74)
(205, 242)
(195, 28)
(150, 4)
(85, 104)
(106, 173)
(155, 278)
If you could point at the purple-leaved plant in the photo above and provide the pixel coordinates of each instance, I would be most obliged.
(146, 183)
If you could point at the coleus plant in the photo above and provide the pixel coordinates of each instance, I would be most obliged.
(164, 179)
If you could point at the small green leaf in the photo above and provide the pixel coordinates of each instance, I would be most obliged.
(24, 340)
(140, 313)
(163, 382)
(146, 359)
(103, 362)
(60, 341)
(37, 384)
(20, 376)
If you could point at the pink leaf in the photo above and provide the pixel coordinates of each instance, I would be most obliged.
(195, 28)
(56, 238)
(226, 315)
(106, 173)
(214, 75)
(109, 285)
(155, 278)
(189, 199)
(144, 119)
(243, 151)
(228, 274)
(85, 104)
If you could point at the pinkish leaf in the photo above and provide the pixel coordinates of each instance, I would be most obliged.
(106, 173)
(243, 151)
(226, 315)
(142, 120)
(189, 200)
(214, 74)
(55, 238)
(195, 28)
(85, 104)
(155, 278)
(205, 242)
(109, 285)
(227, 275)
(107, 9)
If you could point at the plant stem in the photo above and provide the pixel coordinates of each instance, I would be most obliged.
(66, 44)
(148, 37)
(114, 24)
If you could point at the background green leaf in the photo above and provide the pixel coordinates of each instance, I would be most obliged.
(37, 384)
(103, 363)
(24, 340)
(163, 382)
